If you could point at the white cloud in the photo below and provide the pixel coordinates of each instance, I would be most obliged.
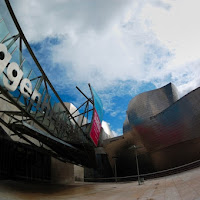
(40, 19)
(113, 42)
(117, 132)
(117, 54)
(177, 28)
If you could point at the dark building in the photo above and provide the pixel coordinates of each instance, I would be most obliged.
(165, 129)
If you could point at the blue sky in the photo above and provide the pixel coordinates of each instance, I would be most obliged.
(121, 47)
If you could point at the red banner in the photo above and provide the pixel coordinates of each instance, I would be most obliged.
(96, 128)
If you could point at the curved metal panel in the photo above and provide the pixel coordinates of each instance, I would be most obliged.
(164, 128)
(150, 103)
(160, 123)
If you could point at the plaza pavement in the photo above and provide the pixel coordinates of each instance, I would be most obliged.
(183, 186)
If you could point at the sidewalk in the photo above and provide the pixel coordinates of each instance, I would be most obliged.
(184, 186)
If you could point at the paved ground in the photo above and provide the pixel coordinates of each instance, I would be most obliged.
(184, 186)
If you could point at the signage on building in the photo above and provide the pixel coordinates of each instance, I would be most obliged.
(28, 89)
(31, 92)
(97, 118)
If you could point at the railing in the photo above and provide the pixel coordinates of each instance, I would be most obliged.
(146, 176)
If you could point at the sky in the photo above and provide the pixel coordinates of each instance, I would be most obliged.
(121, 47)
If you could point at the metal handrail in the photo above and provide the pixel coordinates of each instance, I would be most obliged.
(155, 174)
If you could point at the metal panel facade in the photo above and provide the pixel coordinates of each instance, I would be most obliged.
(158, 121)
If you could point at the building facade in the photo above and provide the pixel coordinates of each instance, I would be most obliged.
(163, 127)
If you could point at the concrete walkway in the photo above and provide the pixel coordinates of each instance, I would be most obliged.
(184, 186)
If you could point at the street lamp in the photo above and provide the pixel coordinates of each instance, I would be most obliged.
(115, 158)
(136, 158)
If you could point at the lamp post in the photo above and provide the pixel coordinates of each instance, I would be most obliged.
(115, 158)
(136, 158)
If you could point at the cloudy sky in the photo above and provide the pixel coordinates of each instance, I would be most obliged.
(120, 47)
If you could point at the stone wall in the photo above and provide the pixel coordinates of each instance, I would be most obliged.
(78, 173)
(61, 173)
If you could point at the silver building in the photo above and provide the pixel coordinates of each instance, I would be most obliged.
(164, 129)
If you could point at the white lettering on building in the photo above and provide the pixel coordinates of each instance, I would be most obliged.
(13, 77)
